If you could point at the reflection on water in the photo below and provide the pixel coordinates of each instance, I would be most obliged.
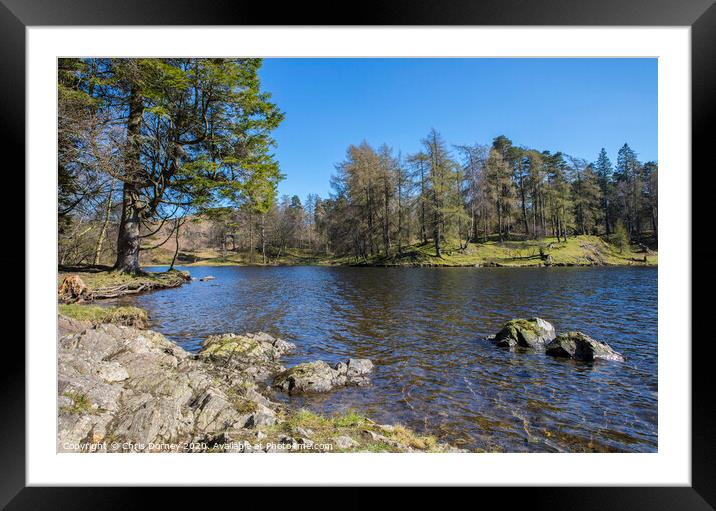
(424, 329)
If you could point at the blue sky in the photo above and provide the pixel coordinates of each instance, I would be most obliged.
(573, 105)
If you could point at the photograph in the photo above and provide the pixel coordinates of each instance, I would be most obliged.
(357, 254)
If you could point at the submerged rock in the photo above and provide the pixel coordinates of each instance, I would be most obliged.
(528, 333)
(320, 377)
(579, 346)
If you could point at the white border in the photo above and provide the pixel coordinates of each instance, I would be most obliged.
(670, 466)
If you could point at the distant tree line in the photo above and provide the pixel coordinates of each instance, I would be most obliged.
(383, 202)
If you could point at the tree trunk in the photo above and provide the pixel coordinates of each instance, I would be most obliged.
(423, 229)
(263, 237)
(128, 238)
(176, 242)
(436, 235)
(105, 225)
(251, 237)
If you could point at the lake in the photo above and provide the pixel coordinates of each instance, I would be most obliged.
(425, 329)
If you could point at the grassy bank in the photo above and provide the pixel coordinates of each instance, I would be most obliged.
(576, 251)
(130, 316)
(207, 257)
(358, 433)
(94, 284)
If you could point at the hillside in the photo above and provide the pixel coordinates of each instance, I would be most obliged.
(199, 246)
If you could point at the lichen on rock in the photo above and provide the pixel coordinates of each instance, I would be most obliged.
(579, 346)
(527, 333)
(254, 355)
(122, 383)
(318, 376)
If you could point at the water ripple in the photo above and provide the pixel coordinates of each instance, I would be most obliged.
(424, 328)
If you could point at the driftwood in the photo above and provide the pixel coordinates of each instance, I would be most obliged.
(133, 288)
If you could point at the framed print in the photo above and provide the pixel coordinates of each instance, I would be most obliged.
(424, 246)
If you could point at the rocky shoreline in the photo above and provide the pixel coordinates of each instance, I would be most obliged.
(126, 389)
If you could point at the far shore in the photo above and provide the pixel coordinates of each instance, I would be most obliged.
(585, 250)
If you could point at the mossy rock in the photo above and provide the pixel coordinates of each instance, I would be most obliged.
(315, 376)
(318, 376)
(226, 345)
(527, 333)
(579, 346)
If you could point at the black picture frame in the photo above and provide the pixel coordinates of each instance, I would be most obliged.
(700, 15)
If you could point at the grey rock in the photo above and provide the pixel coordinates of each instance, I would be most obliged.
(250, 356)
(318, 376)
(359, 367)
(344, 442)
(304, 432)
(527, 333)
(579, 346)
(135, 386)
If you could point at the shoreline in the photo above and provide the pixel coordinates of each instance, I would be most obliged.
(217, 264)
(128, 389)
(578, 251)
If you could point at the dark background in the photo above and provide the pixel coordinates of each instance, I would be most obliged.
(699, 14)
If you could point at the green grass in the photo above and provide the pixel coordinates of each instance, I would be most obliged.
(81, 404)
(585, 250)
(576, 251)
(290, 257)
(325, 429)
(108, 279)
(130, 316)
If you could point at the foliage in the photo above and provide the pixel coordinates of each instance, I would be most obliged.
(180, 134)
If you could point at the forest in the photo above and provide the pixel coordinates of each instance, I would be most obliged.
(150, 148)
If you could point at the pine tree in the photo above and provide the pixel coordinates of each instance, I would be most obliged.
(604, 171)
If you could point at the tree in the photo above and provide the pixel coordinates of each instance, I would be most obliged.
(403, 185)
(195, 132)
(536, 183)
(521, 178)
(586, 195)
(419, 162)
(387, 170)
(628, 178)
(650, 176)
(499, 183)
(559, 199)
(442, 171)
(474, 161)
(604, 171)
